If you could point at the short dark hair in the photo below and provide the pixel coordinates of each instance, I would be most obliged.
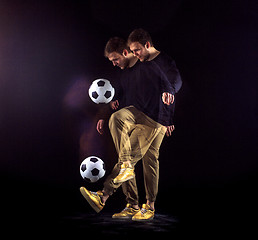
(139, 35)
(115, 44)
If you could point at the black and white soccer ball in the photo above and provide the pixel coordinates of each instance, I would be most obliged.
(101, 91)
(92, 169)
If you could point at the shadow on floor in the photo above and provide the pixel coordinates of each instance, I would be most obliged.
(104, 224)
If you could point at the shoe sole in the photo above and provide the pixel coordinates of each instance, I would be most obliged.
(143, 220)
(127, 217)
(87, 197)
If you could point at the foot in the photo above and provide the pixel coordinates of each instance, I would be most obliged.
(126, 173)
(145, 214)
(126, 213)
(93, 198)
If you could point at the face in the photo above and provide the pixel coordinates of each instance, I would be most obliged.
(118, 60)
(140, 51)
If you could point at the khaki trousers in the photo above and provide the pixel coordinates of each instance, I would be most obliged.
(136, 137)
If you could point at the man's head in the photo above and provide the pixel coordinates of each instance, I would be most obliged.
(140, 43)
(116, 50)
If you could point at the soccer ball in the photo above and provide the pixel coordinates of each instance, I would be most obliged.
(101, 91)
(92, 169)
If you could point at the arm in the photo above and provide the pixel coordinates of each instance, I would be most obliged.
(104, 115)
(174, 77)
(167, 90)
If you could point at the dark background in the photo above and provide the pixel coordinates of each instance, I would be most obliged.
(50, 52)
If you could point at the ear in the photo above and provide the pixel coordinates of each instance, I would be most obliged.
(147, 45)
(125, 53)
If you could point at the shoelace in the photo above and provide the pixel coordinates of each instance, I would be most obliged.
(125, 209)
(97, 195)
(122, 170)
(143, 210)
(94, 193)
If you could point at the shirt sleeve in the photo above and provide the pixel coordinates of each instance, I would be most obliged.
(104, 112)
(174, 77)
(166, 85)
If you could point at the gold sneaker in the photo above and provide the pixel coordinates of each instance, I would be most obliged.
(126, 173)
(145, 214)
(93, 198)
(128, 212)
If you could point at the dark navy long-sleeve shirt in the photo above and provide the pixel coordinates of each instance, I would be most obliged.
(142, 86)
(168, 66)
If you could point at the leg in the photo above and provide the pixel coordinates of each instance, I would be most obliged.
(151, 178)
(151, 169)
(131, 192)
(121, 125)
(133, 133)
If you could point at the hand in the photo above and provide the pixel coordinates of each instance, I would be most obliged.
(114, 104)
(170, 129)
(168, 98)
(100, 126)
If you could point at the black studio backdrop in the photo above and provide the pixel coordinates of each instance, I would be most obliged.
(50, 51)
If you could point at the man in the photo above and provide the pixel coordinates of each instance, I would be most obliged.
(135, 133)
(140, 43)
